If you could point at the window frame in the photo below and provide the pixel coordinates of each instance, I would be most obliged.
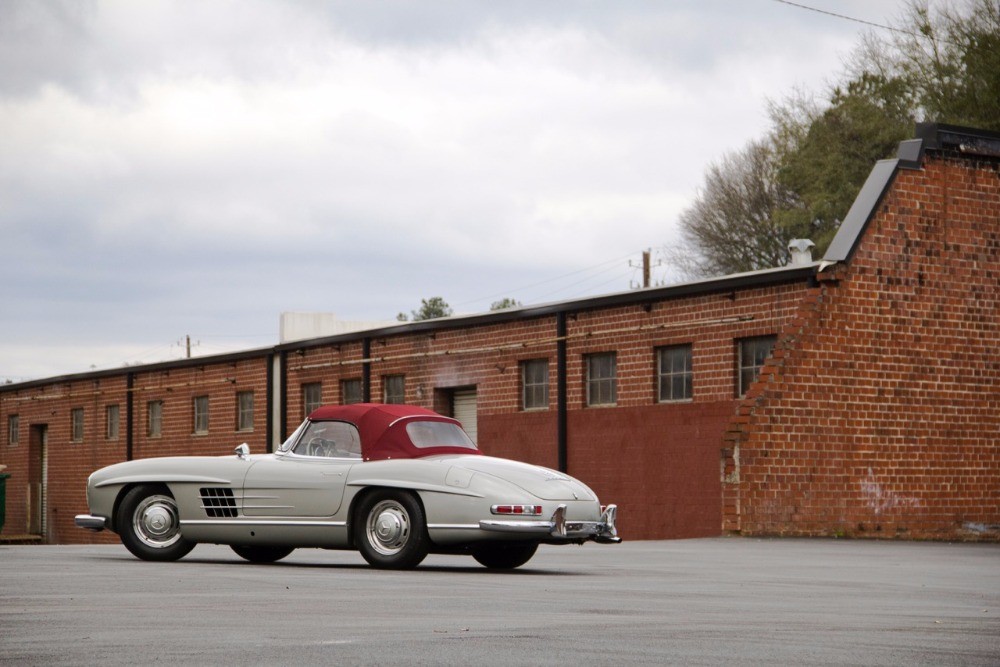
(389, 393)
(530, 386)
(13, 430)
(310, 403)
(199, 415)
(344, 393)
(747, 374)
(685, 373)
(244, 413)
(76, 425)
(112, 421)
(601, 382)
(156, 421)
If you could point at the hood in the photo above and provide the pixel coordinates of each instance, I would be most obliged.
(540, 482)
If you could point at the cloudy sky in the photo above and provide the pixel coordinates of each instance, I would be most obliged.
(197, 167)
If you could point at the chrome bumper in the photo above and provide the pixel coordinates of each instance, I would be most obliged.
(90, 522)
(603, 531)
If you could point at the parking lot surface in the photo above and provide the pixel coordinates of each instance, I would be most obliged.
(684, 602)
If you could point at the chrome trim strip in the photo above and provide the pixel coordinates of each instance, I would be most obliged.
(267, 507)
(452, 526)
(516, 526)
(90, 522)
(262, 522)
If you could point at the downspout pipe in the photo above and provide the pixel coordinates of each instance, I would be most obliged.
(366, 370)
(561, 421)
(129, 415)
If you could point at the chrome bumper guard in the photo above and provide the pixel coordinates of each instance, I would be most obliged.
(603, 531)
(90, 522)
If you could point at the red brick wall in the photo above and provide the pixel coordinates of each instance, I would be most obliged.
(881, 416)
(69, 462)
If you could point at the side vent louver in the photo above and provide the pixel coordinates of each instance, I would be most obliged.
(218, 502)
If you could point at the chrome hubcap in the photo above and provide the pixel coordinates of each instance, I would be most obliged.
(156, 523)
(388, 527)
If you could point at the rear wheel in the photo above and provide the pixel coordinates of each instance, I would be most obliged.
(149, 524)
(261, 553)
(390, 530)
(504, 555)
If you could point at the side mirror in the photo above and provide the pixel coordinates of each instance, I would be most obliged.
(243, 451)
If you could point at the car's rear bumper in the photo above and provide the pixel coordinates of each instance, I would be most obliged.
(90, 522)
(559, 528)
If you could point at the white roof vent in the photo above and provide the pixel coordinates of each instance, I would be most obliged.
(801, 251)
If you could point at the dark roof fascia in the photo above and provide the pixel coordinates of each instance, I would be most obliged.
(732, 283)
(940, 136)
(144, 368)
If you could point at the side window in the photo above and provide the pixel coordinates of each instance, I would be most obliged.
(312, 397)
(76, 424)
(154, 419)
(331, 440)
(350, 391)
(13, 429)
(535, 384)
(111, 416)
(244, 411)
(602, 379)
(200, 411)
(393, 389)
(753, 352)
(674, 375)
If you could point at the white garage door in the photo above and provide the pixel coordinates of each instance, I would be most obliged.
(464, 405)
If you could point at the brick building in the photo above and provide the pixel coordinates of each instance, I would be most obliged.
(856, 395)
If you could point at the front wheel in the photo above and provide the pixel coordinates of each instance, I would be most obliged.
(149, 524)
(260, 553)
(390, 530)
(504, 556)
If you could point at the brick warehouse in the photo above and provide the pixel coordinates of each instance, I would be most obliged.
(856, 395)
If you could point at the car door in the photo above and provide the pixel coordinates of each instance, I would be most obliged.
(309, 479)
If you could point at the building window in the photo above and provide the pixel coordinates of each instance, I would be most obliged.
(535, 384)
(111, 414)
(13, 429)
(602, 380)
(394, 389)
(312, 397)
(76, 424)
(350, 391)
(244, 411)
(753, 352)
(673, 369)
(154, 419)
(200, 414)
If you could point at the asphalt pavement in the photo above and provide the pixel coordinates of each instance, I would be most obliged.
(685, 602)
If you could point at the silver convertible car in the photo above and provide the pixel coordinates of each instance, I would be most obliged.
(394, 482)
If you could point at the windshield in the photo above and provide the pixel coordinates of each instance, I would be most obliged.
(287, 444)
(425, 434)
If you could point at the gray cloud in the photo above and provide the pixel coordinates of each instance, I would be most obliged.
(199, 167)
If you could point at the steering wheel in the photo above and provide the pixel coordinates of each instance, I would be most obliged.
(319, 447)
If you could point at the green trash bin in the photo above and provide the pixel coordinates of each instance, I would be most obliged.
(3, 497)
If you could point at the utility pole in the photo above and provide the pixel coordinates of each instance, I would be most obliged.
(188, 341)
(645, 268)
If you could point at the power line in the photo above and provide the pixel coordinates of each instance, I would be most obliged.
(856, 20)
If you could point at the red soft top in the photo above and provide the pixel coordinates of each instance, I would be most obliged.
(382, 428)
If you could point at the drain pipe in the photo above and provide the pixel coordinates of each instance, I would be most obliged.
(561, 424)
(129, 415)
(366, 370)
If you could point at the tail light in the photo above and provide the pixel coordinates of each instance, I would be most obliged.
(526, 510)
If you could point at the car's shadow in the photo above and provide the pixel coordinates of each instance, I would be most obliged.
(237, 562)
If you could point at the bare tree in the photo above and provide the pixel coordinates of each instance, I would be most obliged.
(730, 226)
